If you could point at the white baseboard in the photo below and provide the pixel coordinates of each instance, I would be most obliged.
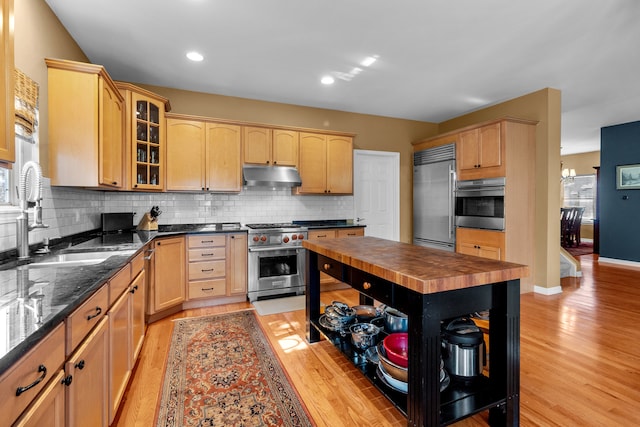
(547, 291)
(622, 262)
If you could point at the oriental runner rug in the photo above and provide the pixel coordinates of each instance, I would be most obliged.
(221, 371)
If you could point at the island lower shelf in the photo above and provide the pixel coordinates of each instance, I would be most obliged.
(459, 400)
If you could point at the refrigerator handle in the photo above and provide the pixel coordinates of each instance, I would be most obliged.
(452, 186)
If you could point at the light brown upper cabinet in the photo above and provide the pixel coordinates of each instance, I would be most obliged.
(7, 139)
(86, 113)
(145, 137)
(480, 153)
(326, 164)
(224, 157)
(203, 155)
(266, 146)
(185, 154)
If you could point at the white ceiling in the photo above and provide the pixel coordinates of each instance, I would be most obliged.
(438, 59)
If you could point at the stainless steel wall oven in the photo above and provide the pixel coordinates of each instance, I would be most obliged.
(480, 203)
(276, 260)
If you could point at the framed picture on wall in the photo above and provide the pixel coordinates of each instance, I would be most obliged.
(628, 177)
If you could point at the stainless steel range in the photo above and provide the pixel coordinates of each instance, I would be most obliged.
(276, 260)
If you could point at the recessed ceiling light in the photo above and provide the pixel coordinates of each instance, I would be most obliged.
(327, 80)
(366, 62)
(195, 56)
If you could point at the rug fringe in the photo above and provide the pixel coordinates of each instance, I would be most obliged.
(214, 314)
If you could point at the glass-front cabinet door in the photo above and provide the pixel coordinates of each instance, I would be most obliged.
(146, 139)
(148, 145)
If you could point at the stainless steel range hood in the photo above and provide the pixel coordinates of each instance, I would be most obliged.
(271, 176)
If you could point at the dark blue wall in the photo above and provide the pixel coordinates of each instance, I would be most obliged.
(619, 218)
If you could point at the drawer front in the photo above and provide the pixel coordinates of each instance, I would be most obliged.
(206, 254)
(206, 270)
(322, 234)
(118, 283)
(207, 288)
(137, 264)
(49, 353)
(80, 322)
(351, 232)
(206, 240)
(372, 286)
(331, 267)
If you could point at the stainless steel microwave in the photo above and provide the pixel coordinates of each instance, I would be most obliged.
(480, 203)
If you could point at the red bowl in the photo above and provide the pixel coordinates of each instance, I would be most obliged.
(397, 345)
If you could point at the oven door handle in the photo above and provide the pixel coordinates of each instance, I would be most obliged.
(273, 248)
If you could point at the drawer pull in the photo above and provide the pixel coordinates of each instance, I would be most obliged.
(98, 312)
(206, 289)
(207, 270)
(320, 236)
(79, 365)
(326, 266)
(208, 254)
(42, 369)
(366, 285)
(206, 241)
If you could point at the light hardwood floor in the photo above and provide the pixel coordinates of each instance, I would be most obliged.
(580, 359)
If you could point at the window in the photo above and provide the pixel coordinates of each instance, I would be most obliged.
(27, 141)
(581, 191)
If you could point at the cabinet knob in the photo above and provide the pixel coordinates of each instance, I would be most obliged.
(67, 380)
(80, 364)
(326, 266)
(366, 285)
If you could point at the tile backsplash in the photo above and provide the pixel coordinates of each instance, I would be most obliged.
(71, 210)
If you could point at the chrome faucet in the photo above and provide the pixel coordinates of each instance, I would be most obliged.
(35, 196)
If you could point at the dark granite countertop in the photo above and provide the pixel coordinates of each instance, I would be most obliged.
(329, 223)
(62, 289)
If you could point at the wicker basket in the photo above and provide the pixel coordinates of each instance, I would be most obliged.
(26, 93)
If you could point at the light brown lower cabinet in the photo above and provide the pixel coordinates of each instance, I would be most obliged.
(167, 289)
(217, 265)
(119, 351)
(48, 353)
(482, 243)
(87, 395)
(49, 407)
(237, 255)
(126, 329)
(138, 310)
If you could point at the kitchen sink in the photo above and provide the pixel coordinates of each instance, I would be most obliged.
(73, 259)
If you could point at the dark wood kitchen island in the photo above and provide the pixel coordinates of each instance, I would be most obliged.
(429, 285)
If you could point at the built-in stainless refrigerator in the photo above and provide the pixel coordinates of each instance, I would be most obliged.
(434, 183)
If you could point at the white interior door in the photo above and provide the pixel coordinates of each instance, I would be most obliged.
(376, 191)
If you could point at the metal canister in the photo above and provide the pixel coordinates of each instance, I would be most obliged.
(463, 348)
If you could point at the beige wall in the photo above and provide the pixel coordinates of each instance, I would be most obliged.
(543, 106)
(372, 132)
(39, 35)
(583, 163)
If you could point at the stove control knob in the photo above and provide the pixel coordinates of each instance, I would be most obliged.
(256, 238)
(263, 238)
(294, 237)
(300, 236)
(285, 239)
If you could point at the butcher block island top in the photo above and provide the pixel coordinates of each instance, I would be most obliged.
(420, 269)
